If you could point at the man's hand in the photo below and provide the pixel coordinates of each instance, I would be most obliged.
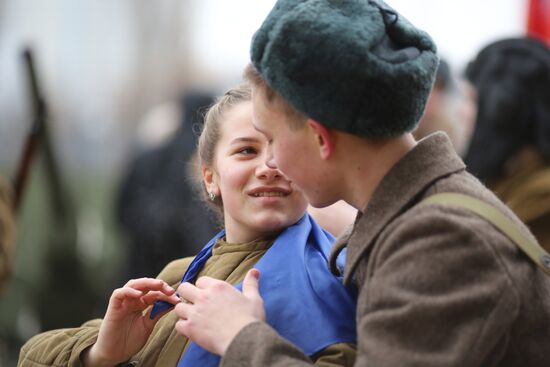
(215, 311)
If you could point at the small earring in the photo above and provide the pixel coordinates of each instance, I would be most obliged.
(211, 196)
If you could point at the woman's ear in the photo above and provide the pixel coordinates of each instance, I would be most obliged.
(209, 179)
(324, 137)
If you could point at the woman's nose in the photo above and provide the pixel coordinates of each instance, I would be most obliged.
(268, 170)
(268, 173)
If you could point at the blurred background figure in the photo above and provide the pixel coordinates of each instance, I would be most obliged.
(7, 234)
(158, 207)
(510, 145)
(447, 109)
(438, 115)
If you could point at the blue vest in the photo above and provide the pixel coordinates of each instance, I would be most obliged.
(304, 302)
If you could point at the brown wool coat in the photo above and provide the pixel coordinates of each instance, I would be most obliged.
(438, 286)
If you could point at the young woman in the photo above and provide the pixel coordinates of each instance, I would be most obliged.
(265, 227)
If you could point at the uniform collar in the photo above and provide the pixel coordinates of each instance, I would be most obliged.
(431, 159)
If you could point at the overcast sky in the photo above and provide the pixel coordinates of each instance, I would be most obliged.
(103, 63)
(459, 27)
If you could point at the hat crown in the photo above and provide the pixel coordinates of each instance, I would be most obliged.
(354, 65)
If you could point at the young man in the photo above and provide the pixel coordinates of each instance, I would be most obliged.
(338, 86)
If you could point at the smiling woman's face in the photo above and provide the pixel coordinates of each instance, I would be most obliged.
(257, 200)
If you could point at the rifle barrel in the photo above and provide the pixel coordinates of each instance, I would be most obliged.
(32, 140)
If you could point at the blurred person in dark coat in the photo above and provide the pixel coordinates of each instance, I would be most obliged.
(447, 109)
(157, 207)
(437, 116)
(510, 146)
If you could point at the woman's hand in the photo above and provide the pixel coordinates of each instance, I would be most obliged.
(125, 328)
(216, 311)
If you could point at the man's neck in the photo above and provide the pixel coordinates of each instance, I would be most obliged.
(372, 160)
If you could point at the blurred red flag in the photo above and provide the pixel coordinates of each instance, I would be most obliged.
(538, 20)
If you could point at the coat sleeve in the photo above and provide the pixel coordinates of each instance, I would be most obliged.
(61, 347)
(260, 345)
(433, 292)
(64, 347)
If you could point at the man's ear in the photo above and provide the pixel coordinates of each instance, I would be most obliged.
(209, 179)
(325, 138)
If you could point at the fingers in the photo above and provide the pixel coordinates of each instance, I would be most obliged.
(183, 310)
(251, 291)
(207, 282)
(143, 292)
(190, 293)
(153, 296)
(121, 294)
(189, 320)
(251, 284)
(182, 327)
(150, 284)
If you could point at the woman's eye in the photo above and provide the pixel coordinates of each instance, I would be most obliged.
(247, 151)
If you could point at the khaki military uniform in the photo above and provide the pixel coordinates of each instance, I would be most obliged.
(165, 346)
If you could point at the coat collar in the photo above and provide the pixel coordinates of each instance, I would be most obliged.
(432, 158)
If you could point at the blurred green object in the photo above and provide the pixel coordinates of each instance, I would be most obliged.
(59, 280)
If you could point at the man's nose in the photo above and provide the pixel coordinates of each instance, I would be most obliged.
(269, 160)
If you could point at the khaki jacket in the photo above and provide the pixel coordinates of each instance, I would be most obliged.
(165, 346)
(438, 286)
(527, 192)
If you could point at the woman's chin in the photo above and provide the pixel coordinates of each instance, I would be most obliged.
(273, 223)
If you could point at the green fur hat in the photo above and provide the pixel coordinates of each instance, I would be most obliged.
(353, 65)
